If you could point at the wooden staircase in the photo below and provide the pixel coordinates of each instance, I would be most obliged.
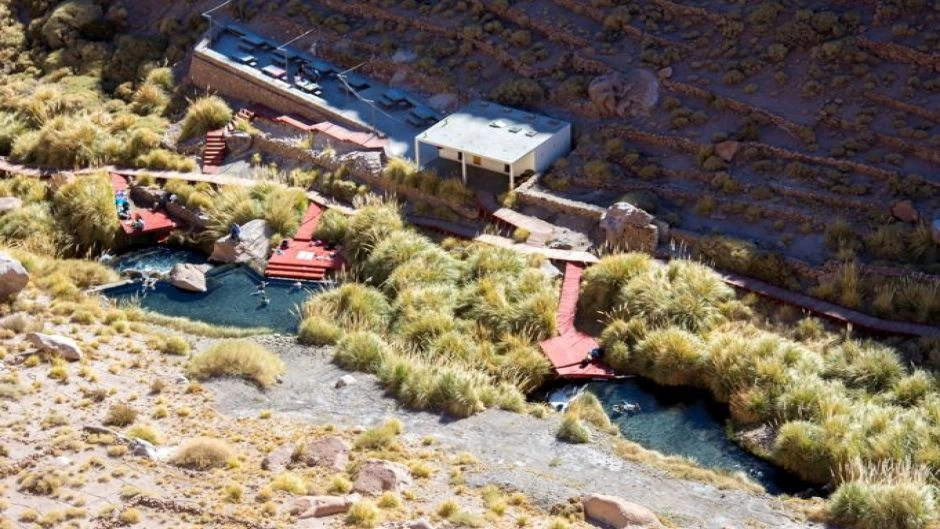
(214, 153)
(309, 271)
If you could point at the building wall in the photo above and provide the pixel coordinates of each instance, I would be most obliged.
(485, 163)
(558, 146)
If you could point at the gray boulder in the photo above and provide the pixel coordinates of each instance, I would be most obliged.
(278, 459)
(320, 506)
(65, 347)
(9, 204)
(13, 277)
(252, 247)
(329, 452)
(189, 277)
(621, 214)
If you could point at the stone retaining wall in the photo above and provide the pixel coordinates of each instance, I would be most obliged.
(215, 74)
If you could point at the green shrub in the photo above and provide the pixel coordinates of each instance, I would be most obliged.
(351, 306)
(238, 358)
(316, 330)
(332, 226)
(381, 437)
(884, 497)
(120, 415)
(86, 216)
(363, 513)
(361, 351)
(175, 345)
(205, 114)
(671, 356)
(602, 281)
(572, 430)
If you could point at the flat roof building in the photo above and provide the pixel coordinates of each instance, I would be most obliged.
(496, 138)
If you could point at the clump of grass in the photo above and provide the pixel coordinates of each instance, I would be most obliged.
(203, 453)
(572, 430)
(205, 114)
(332, 226)
(175, 345)
(289, 482)
(238, 358)
(381, 437)
(84, 210)
(363, 513)
(351, 306)
(317, 330)
(362, 351)
(146, 432)
(40, 482)
(588, 408)
(885, 496)
(339, 484)
(120, 415)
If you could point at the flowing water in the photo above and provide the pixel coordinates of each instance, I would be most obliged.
(688, 423)
(673, 421)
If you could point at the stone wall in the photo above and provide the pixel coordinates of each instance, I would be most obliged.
(215, 74)
(531, 195)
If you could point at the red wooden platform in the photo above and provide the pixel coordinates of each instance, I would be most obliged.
(154, 221)
(568, 352)
(304, 258)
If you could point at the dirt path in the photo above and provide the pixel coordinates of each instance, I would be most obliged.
(518, 451)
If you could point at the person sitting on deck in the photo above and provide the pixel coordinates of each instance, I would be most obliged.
(285, 244)
(124, 213)
(138, 223)
(236, 232)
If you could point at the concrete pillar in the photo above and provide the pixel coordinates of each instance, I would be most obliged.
(512, 177)
(463, 167)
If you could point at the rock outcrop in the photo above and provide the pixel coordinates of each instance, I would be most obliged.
(631, 93)
(320, 506)
(618, 513)
(252, 246)
(377, 476)
(13, 277)
(9, 204)
(189, 277)
(629, 227)
(329, 452)
(65, 347)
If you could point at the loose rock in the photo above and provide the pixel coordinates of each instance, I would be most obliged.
(9, 204)
(330, 452)
(65, 347)
(377, 476)
(319, 506)
(904, 211)
(625, 93)
(618, 513)
(277, 460)
(13, 277)
(727, 149)
(345, 380)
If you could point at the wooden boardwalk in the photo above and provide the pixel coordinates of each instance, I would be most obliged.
(540, 232)
(829, 310)
(570, 352)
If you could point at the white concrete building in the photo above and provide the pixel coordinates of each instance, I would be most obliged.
(499, 139)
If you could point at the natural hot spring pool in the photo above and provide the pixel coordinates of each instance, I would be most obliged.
(684, 422)
(159, 259)
(230, 300)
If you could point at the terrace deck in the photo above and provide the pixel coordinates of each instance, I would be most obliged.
(154, 221)
(304, 259)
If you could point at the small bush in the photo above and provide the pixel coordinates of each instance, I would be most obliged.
(205, 114)
(120, 415)
(175, 345)
(363, 513)
(332, 226)
(572, 430)
(238, 358)
(203, 453)
(380, 437)
(316, 330)
(361, 351)
(289, 482)
(146, 432)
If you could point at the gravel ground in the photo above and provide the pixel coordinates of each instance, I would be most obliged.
(515, 450)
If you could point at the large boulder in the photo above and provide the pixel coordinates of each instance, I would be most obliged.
(904, 211)
(189, 277)
(630, 228)
(617, 513)
(319, 506)
(9, 204)
(630, 93)
(330, 452)
(65, 347)
(377, 476)
(13, 277)
(252, 247)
